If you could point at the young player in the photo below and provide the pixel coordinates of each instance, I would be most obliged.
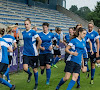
(45, 55)
(30, 51)
(56, 48)
(4, 59)
(73, 64)
(11, 41)
(94, 38)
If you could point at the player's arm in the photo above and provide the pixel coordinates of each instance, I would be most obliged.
(70, 52)
(10, 49)
(82, 61)
(90, 44)
(15, 46)
(39, 42)
(0, 46)
(97, 42)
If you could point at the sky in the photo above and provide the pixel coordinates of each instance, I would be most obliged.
(81, 3)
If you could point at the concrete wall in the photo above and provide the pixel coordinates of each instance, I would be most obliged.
(74, 16)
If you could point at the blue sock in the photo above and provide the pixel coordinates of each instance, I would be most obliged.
(28, 71)
(36, 77)
(56, 60)
(5, 82)
(70, 85)
(60, 83)
(52, 61)
(8, 77)
(92, 73)
(87, 68)
(7, 71)
(48, 74)
(78, 80)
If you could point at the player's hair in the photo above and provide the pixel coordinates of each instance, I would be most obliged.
(9, 29)
(78, 25)
(2, 31)
(16, 23)
(76, 34)
(28, 20)
(34, 27)
(45, 24)
(91, 22)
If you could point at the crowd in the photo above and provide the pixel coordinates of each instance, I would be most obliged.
(81, 45)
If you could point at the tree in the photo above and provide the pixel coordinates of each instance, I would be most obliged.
(74, 9)
(95, 15)
(83, 12)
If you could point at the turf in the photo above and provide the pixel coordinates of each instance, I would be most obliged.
(20, 80)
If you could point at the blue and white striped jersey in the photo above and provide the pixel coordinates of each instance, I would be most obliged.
(76, 45)
(10, 40)
(3, 51)
(29, 38)
(46, 41)
(93, 35)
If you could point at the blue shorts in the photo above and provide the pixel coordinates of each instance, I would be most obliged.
(85, 61)
(72, 67)
(92, 57)
(3, 68)
(45, 59)
(31, 61)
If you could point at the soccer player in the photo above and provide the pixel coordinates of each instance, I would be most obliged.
(98, 63)
(94, 38)
(4, 59)
(45, 55)
(85, 57)
(30, 51)
(11, 41)
(73, 64)
(57, 52)
(67, 40)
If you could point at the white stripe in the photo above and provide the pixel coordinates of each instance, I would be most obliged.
(95, 46)
(69, 58)
(70, 44)
(0, 55)
(97, 37)
(4, 44)
(14, 41)
(34, 37)
(8, 39)
(35, 50)
(87, 40)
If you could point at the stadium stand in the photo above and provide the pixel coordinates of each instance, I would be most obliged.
(12, 12)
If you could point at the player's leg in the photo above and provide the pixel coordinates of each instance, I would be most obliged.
(42, 63)
(26, 68)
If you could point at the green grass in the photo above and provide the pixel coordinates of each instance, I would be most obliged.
(20, 80)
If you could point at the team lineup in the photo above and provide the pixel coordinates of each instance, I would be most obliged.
(81, 46)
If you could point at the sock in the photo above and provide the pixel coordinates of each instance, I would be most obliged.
(78, 80)
(87, 68)
(52, 61)
(56, 60)
(36, 77)
(28, 71)
(48, 74)
(70, 85)
(92, 73)
(6, 72)
(60, 83)
(5, 82)
(8, 77)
